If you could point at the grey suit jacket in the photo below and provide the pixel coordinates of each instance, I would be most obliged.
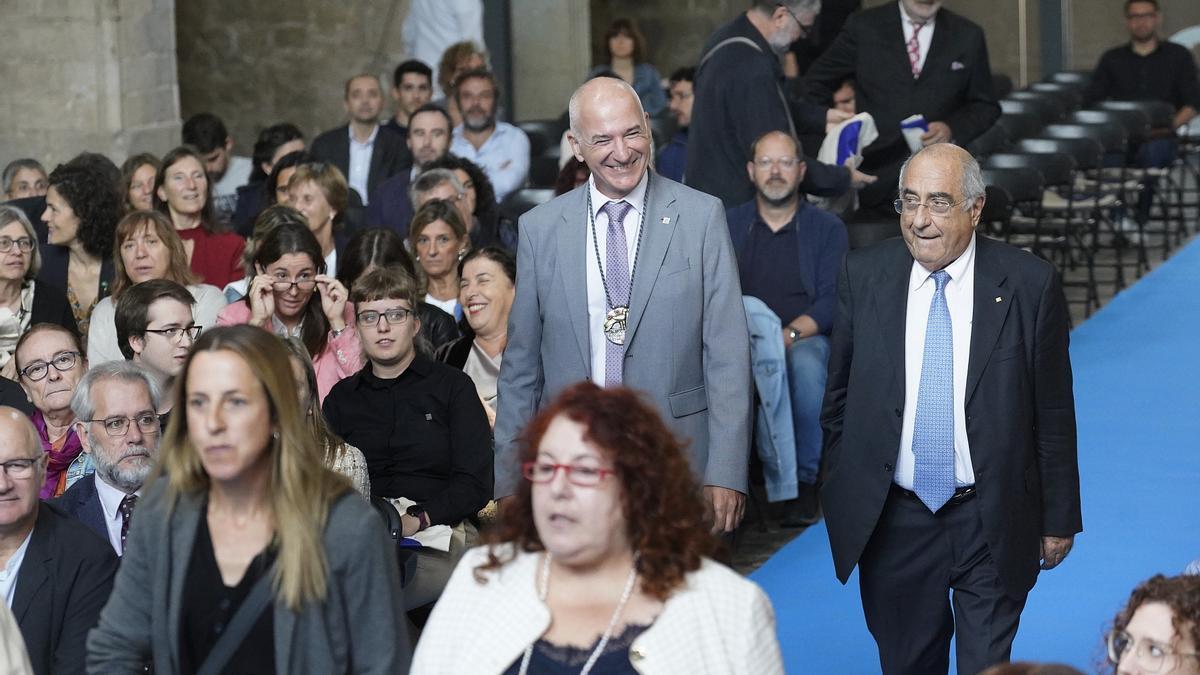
(687, 345)
(359, 628)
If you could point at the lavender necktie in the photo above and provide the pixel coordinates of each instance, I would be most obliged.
(616, 278)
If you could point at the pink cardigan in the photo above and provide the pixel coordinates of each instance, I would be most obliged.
(341, 358)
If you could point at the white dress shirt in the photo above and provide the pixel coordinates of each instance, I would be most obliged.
(110, 503)
(8, 573)
(360, 162)
(924, 38)
(960, 300)
(596, 298)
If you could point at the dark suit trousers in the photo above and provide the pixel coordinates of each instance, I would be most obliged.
(911, 564)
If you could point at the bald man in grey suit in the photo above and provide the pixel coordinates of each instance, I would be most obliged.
(665, 319)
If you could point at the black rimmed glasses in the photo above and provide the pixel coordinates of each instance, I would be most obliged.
(20, 468)
(147, 422)
(583, 476)
(395, 316)
(938, 206)
(173, 333)
(62, 362)
(1151, 655)
(303, 282)
(24, 244)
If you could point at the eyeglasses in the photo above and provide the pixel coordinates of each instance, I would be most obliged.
(283, 285)
(395, 317)
(1150, 655)
(803, 29)
(62, 362)
(175, 332)
(782, 162)
(148, 423)
(938, 206)
(24, 244)
(583, 476)
(20, 468)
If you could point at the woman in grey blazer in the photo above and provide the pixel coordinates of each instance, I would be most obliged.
(243, 501)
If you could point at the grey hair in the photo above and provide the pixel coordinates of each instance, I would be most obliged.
(795, 6)
(574, 103)
(10, 171)
(972, 185)
(427, 181)
(123, 371)
(11, 214)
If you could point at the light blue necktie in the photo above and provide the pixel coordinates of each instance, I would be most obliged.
(616, 274)
(933, 430)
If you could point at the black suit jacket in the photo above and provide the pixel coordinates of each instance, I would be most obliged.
(62, 585)
(1020, 409)
(82, 502)
(389, 156)
(955, 85)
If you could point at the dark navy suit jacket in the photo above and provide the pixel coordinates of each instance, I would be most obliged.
(82, 502)
(390, 206)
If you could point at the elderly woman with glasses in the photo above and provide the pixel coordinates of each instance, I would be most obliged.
(50, 362)
(291, 295)
(1158, 631)
(23, 301)
(600, 559)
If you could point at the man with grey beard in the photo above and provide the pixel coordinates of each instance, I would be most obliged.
(789, 253)
(500, 148)
(116, 412)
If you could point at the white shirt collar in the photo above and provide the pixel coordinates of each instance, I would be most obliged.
(635, 197)
(110, 498)
(908, 20)
(956, 269)
(370, 139)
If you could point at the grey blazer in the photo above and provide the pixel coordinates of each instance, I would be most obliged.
(687, 345)
(142, 618)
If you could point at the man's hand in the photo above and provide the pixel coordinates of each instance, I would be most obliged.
(834, 117)
(939, 132)
(725, 506)
(1054, 550)
(859, 180)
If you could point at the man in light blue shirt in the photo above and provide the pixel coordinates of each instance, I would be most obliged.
(500, 148)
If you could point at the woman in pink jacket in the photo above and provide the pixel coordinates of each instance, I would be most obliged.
(291, 295)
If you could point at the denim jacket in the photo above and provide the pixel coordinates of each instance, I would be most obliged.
(774, 434)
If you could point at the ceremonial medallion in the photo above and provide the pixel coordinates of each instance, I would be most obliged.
(614, 325)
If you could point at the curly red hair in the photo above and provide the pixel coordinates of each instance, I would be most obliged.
(1181, 594)
(660, 498)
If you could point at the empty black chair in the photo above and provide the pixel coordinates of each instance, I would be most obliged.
(1160, 113)
(1135, 122)
(517, 203)
(994, 140)
(1020, 125)
(997, 209)
(1072, 94)
(1045, 109)
(1074, 77)
(544, 136)
(1052, 107)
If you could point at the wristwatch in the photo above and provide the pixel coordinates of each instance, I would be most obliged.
(793, 334)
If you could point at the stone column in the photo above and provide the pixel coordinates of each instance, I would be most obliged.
(551, 52)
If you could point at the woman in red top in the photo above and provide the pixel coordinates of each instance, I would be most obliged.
(183, 193)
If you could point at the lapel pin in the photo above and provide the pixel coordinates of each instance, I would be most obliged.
(666, 220)
(999, 299)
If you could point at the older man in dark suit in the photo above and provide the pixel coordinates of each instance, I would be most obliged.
(950, 460)
(910, 57)
(55, 573)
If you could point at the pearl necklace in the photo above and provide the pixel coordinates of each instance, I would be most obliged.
(543, 590)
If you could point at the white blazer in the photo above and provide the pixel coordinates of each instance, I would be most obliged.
(717, 622)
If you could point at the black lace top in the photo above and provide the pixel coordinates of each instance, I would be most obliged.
(552, 659)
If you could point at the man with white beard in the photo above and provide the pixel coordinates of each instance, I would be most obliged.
(115, 407)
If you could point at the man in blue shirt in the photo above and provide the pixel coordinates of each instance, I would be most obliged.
(789, 253)
(673, 157)
(499, 147)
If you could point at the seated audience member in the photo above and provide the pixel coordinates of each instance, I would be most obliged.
(1149, 68)
(292, 296)
(499, 147)
(626, 51)
(339, 455)
(420, 425)
(281, 175)
(155, 326)
(428, 138)
(608, 509)
(137, 182)
(379, 248)
(266, 221)
(789, 253)
(1158, 630)
(844, 97)
(456, 60)
(365, 156)
(486, 288)
(24, 178)
(319, 192)
(116, 416)
(147, 248)
(14, 659)
(574, 173)
(243, 501)
(58, 573)
(183, 193)
(50, 363)
(23, 300)
(273, 144)
(439, 241)
(226, 172)
(412, 89)
(480, 211)
(82, 209)
(673, 158)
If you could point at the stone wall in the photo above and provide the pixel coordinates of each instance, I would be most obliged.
(87, 75)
